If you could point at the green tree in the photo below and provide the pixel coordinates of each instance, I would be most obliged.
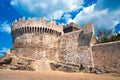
(104, 35)
(107, 35)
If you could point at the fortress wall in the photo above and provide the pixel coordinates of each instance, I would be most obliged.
(36, 46)
(106, 56)
(37, 53)
(17, 33)
(34, 40)
(75, 48)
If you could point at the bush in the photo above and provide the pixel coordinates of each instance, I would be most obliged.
(81, 67)
(8, 61)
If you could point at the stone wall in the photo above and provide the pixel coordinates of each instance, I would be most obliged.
(34, 40)
(75, 48)
(106, 56)
(36, 46)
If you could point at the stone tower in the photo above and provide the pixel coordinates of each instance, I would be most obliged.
(36, 39)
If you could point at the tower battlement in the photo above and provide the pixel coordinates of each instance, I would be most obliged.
(32, 25)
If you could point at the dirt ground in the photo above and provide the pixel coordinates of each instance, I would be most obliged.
(54, 75)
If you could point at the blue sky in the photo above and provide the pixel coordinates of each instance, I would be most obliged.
(103, 14)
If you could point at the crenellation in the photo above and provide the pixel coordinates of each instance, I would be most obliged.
(50, 23)
(22, 19)
(43, 20)
(31, 22)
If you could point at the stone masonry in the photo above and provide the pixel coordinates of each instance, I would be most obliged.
(106, 56)
(44, 45)
(46, 41)
(36, 39)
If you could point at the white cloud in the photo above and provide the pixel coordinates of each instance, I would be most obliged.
(100, 13)
(3, 50)
(57, 14)
(45, 8)
(100, 18)
(119, 32)
(89, 9)
(5, 27)
(108, 4)
(67, 16)
(70, 20)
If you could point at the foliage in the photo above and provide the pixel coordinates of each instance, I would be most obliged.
(8, 61)
(107, 35)
(115, 37)
(81, 67)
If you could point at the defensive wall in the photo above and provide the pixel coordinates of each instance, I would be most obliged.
(106, 56)
(75, 47)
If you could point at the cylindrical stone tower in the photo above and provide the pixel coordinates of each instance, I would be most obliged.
(36, 39)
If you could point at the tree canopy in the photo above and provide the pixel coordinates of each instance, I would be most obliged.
(107, 35)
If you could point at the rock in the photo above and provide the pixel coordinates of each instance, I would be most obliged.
(31, 68)
(41, 64)
(22, 67)
(66, 69)
(6, 59)
(98, 71)
(14, 60)
(13, 67)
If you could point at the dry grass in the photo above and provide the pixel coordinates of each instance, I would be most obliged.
(53, 75)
